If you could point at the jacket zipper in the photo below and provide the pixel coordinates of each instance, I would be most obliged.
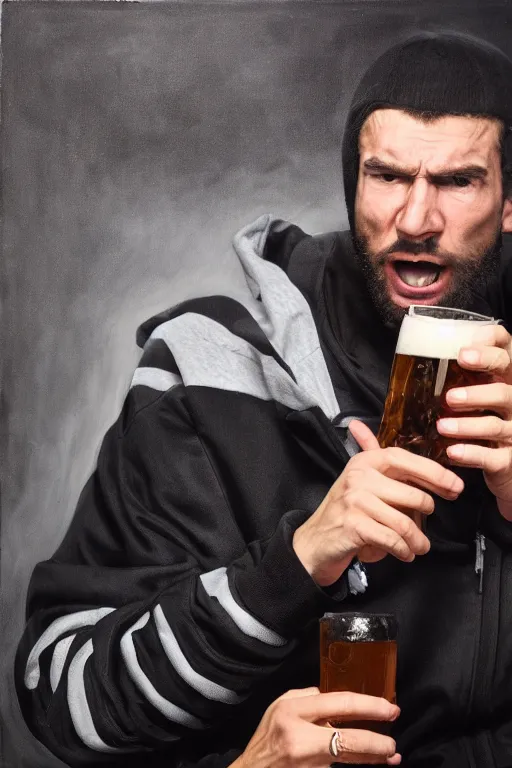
(480, 560)
(480, 699)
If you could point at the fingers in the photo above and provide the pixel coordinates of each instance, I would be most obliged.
(305, 744)
(492, 336)
(495, 360)
(477, 428)
(292, 731)
(491, 460)
(343, 706)
(409, 468)
(399, 495)
(483, 397)
(371, 554)
(384, 537)
(377, 524)
(360, 747)
(363, 435)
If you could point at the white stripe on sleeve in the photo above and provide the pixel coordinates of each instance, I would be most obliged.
(216, 585)
(60, 653)
(207, 688)
(61, 626)
(78, 704)
(167, 708)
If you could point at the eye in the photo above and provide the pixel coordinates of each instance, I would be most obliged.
(461, 181)
(455, 181)
(388, 177)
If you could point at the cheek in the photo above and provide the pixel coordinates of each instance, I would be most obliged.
(474, 221)
(375, 211)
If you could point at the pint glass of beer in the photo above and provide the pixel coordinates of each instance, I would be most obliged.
(424, 368)
(358, 654)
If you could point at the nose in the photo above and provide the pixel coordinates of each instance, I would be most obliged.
(419, 216)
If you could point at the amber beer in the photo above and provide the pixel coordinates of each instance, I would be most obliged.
(358, 653)
(424, 368)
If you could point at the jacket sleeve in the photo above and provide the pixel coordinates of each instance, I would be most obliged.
(155, 619)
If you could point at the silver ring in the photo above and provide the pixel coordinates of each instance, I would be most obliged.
(334, 745)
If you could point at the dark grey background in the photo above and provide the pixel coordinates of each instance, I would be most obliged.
(137, 138)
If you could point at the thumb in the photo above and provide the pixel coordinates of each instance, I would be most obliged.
(363, 435)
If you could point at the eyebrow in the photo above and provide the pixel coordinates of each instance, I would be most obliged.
(470, 171)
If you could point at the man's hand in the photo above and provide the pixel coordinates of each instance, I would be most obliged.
(364, 512)
(492, 353)
(292, 732)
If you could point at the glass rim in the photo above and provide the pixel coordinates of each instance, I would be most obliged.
(428, 311)
(358, 615)
(360, 627)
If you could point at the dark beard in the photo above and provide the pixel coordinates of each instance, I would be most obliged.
(471, 275)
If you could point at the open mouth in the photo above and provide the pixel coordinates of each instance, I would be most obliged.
(417, 282)
(418, 274)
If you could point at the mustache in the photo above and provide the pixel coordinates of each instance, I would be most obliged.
(430, 246)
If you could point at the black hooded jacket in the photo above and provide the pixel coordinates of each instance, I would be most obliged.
(175, 610)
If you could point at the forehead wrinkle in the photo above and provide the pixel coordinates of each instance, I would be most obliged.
(463, 153)
(470, 131)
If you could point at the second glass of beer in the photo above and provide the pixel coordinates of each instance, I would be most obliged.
(425, 367)
(358, 653)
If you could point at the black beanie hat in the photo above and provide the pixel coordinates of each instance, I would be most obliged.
(439, 73)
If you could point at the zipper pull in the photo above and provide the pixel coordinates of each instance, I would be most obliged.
(479, 560)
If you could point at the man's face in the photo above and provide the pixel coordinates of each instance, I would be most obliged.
(429, 208)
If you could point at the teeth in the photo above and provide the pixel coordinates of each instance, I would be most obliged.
(418, 281)
(418, 277)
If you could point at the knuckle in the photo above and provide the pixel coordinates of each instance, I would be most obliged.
(443, 477)
(355, 499)
(405, 526)
(396, 544)
(503, 391)
(494, 359)
(496, 426)
(413, 497)
(503, 359)
(388, 746)
(502, 334)
(393, 455)
(346, 741)
(353, 475)
(348, 702)
(282, 710)
(290, 745)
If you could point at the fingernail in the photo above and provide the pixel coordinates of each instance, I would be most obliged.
(448, 425)
(470, 356)
(456, 452)
(458, 395)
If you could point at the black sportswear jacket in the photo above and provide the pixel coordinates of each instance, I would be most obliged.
(175, 609)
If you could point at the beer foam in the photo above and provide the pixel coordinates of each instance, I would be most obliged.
(423, 336)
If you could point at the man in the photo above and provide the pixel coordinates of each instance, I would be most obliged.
(226, 514)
